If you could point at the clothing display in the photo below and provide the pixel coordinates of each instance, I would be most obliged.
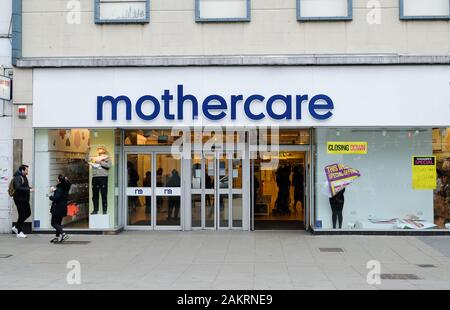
(337, 205)
(100, 166)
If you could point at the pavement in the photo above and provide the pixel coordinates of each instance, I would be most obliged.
(223, 260)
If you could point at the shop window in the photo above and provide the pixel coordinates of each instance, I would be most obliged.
(441, 149)
(420, 9)
(122, 11)
(88, 158)
(316, 10)
(382, 179)
(222, 10)
(151, 137)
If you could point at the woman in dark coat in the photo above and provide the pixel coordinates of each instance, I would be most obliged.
(59, 207)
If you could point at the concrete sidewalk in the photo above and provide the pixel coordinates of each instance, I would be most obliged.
(223, 260)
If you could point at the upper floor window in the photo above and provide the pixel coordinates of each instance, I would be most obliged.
(122, 11)
(324, 10)
(222, 10)
(424, 9)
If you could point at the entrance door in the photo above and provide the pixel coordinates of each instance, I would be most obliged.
(217, 191)
(153, 191)
(281, 190)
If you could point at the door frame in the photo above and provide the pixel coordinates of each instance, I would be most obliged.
(217, 191)
(307, 200)
(153, 151)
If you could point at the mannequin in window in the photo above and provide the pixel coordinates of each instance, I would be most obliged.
(100, 166)
(337, 205)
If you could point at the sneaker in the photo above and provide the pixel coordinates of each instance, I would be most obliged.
(56, 239)
(94, 213)
(14, 230)
(21, 235)
(63, 237)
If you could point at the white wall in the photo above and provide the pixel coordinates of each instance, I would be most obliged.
(6, 172)
(6, 169)
(5, 44)
(273, 29)
(384, 190)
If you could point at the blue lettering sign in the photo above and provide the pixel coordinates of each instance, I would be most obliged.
(215, 107)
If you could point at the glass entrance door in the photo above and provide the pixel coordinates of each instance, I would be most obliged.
(217, 198)
(153, 192)
(139, 191)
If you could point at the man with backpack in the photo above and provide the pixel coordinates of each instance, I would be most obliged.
(20, 190)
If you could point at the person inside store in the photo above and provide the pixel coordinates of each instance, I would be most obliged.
(159, 183)
(174, 201)
(133, 178)
(337, 205)
(100, 165)
(148, 199)
(283, 182)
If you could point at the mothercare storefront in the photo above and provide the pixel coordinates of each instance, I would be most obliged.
(327, 149)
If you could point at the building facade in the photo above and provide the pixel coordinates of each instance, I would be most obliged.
(6, 142)
(209, 114)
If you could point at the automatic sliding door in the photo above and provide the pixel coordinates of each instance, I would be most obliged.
(209, 168)
(139, 190)
(168, 190)
(236, 192)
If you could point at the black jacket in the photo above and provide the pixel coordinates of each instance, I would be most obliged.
(59, 199)
(21, 187)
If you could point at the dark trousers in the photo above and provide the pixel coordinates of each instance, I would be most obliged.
(337, 208)
(56, 224)
(24, 210)
(100, 186)
(174, 205)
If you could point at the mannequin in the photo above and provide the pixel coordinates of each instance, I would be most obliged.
(337, 205)
(100, 170)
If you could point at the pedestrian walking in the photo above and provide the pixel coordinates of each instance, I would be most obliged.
(21, 198)
(59, 207)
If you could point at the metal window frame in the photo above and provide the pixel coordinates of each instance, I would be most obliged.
(98, 20)
(420, 17)
(349, 16)
(199, 19)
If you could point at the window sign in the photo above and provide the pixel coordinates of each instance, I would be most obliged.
(424, 172)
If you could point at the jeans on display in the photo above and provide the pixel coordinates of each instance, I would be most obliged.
(100, 186)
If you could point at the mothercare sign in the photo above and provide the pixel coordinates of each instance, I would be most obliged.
(424, 172)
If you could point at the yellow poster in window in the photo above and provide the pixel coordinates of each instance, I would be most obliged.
(347, 148)
(424, 172)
